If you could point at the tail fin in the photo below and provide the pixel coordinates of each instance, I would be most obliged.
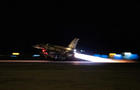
(73, 43)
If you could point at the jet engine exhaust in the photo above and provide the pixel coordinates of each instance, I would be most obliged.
(98, 59)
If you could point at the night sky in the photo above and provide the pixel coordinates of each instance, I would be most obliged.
(93, 37)
(22, 28)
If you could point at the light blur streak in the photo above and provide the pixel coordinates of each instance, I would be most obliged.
(92, 58)
(14, 53)
(111, 55)
(97, 59)
(118, 56)
(127, 53)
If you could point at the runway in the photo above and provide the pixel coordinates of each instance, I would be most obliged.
(68, 62)
(68, 75)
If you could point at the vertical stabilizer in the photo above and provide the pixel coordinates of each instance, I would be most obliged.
(73, 43)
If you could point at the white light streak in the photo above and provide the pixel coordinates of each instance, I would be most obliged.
(93, 58)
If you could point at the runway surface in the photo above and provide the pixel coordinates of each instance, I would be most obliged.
(69, 62)
(68, 75)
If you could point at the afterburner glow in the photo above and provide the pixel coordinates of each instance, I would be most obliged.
(99, 59)
(92, 58)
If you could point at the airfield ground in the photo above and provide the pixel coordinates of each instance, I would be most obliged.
(65, 76)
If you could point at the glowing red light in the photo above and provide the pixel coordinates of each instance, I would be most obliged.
(43, 50)
(46, 53)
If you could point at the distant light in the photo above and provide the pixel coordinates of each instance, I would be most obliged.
(134, 56)
(111, 55)
(118, 56)
(75, 50)
(13, 56)
(127, 57)
(15, 53)
(127, 53)
(104, 56)
(96, 55)
(82, 51)
(131, 56)
(36, 55)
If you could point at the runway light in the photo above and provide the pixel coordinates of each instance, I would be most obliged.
(131, 56)
(82, 51)
(13, 56)
(36, 55)
(15, 53)
(134, 56)
(74, 50)
(127, 55)
(118, 56)
(104, 56)
(111, 55)
(96, 55)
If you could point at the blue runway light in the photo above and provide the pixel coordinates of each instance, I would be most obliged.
(134, 56)
(97, 55)
(127, 55)
(118, 56)
(104, 56)
(13, 56)
(36, 55)
(131, 56)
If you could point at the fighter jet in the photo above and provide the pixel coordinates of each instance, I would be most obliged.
(58, 52)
